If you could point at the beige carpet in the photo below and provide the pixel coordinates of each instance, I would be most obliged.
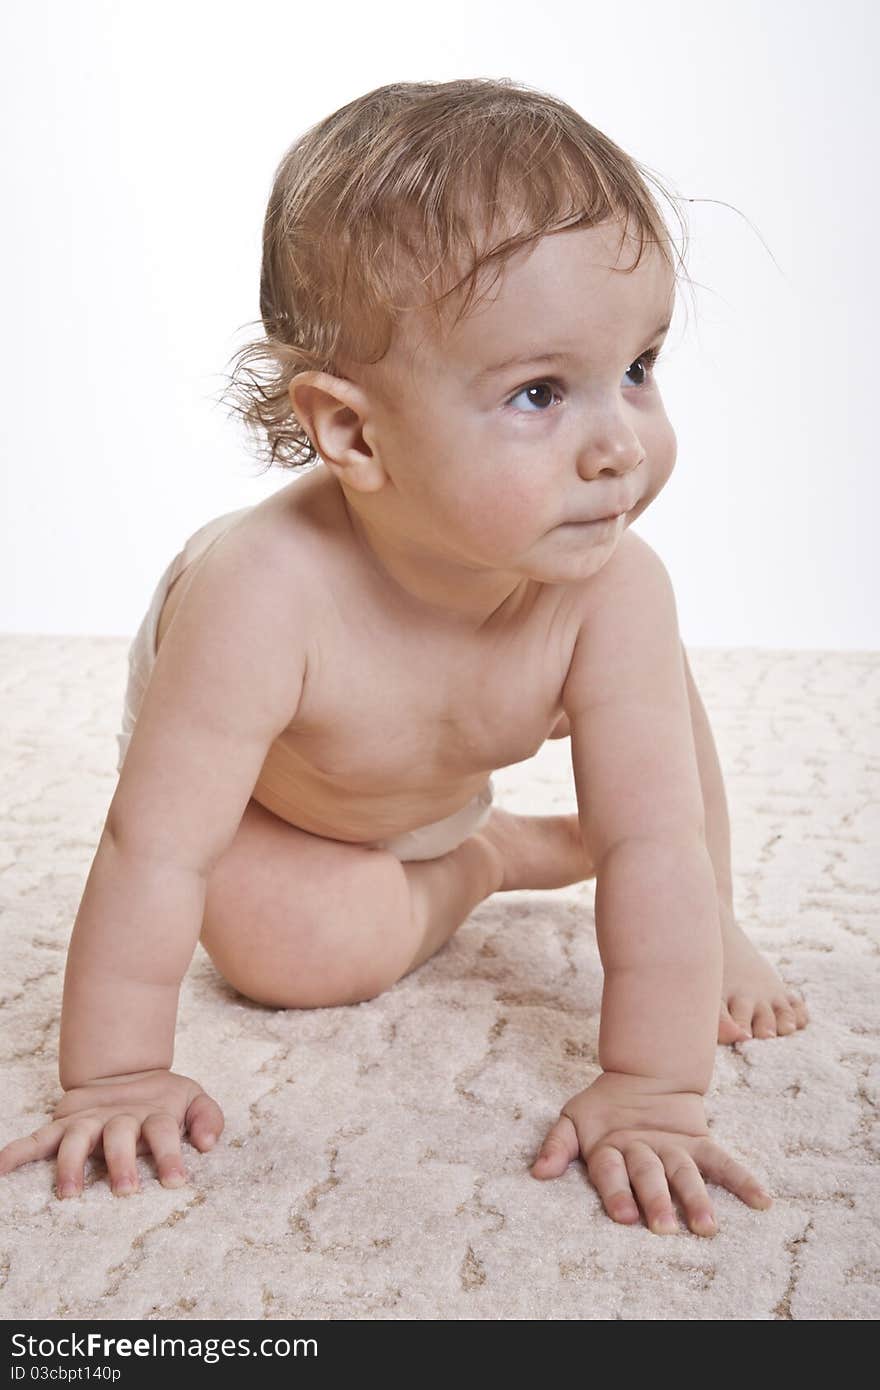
(375, 1158)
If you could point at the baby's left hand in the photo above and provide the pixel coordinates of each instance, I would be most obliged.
(638, 1139)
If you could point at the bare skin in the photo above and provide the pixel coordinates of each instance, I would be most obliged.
(322, 774)
(539, 852)
(755, 1002)
(418, 613)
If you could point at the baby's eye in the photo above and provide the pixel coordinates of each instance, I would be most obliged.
(645, 364)
(542, 388)
(539, 391)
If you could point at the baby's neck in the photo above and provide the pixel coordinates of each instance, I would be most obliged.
(437, 589)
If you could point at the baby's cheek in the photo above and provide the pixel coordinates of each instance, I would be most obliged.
(664, 451)
(514, 514)
(487, 502)
(661, 463)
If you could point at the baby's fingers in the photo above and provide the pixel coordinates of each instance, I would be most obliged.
(120, 1144)
(204, 1120)
(43, 1143)
(162, 1133)
(648, 1177)
(558, 1150)
(720, 1168)
(607, 1169)
(684, 1178)
(78, 1141)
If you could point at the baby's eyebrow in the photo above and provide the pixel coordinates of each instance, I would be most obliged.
(527, 359)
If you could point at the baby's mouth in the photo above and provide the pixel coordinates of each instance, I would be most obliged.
(601, 520)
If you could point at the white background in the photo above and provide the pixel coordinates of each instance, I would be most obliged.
(139, 142)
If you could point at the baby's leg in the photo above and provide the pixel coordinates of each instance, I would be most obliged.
(299, 921)
(754, 1000)
(295, 920)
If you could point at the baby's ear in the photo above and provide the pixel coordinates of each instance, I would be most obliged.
(333, 412)
(313, 393)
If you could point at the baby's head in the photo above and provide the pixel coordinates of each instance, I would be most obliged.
(415, 240)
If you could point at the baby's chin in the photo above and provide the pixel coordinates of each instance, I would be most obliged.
(574, 552)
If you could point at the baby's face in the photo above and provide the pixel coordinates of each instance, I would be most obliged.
(503, 458)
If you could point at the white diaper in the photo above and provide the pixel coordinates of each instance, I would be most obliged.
(441, 836)
(142, 651)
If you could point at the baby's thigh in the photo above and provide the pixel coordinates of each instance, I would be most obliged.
(294, 920)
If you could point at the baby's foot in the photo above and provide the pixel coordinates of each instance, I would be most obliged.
(754, 1000)
(537, 851)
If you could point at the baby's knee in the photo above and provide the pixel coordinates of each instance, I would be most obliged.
(317, 944)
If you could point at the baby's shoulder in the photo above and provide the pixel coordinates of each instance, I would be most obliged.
(619, 583)
(278, 543)
(252, 567)
(627, 626)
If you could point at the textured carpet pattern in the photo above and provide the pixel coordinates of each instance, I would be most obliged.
(375, 1157)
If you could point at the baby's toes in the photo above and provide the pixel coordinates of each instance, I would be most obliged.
(764, 1023)
(729, 1031)
(741, 1010)
(799, 1009)
(785, 1017)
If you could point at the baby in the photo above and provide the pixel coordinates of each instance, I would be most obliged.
(464, 291)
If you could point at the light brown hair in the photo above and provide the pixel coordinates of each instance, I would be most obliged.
(400, 190)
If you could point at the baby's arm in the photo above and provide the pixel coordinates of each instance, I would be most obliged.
(641, 811)
(227, 680)
(657, 916)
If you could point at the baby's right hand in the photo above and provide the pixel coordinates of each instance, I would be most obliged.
(119, 1117)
